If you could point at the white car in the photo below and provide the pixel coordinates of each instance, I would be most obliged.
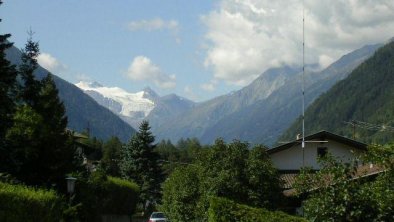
(158, 217)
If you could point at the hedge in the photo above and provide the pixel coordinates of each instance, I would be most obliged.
(224, 210)
(102, 195)
(22, 203)
(122, 196)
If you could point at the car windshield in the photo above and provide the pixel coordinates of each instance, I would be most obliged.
(157, 215)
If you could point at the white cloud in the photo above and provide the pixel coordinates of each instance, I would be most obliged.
(190, 94)
(50, 63)
(245, 37)
(210, 86)
(142, 69)
(84, 77)
(153, 25)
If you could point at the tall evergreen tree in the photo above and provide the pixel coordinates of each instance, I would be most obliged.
(57, 149)
(8, 75)
(40, 148)
(29, 92)
(140, 163)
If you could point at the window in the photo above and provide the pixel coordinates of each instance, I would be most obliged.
(321, 152)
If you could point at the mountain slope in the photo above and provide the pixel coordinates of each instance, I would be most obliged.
(193, 123)
(82, 111)
(265, 120)
(168, 107)
(131, 107)
(367, 95)
(261, 111)
(135, 107)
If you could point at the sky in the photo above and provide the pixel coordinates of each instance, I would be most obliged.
(198, 49)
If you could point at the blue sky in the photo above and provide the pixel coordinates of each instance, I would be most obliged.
(197, 49)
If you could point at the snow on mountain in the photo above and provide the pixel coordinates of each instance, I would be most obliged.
(132, 107)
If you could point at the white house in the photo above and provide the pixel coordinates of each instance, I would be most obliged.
(290, 156)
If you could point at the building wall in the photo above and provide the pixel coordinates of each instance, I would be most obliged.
(291, 158)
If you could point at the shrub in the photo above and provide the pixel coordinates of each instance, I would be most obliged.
(100, 195)
(22, 203)
(121, 196)
(224, 210)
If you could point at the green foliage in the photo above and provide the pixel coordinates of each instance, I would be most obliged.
(224, 210)
(263, 179)
(92, 147)
(234, 171)
(366, 95)
(111, 156)
(30, 89)
(121, 196)
(38, 149)
(139, 162)
(336, 196)
(225, 170)
(22, 203)
(101, 195)
(173, 156)
(181, 194)
(8, 75)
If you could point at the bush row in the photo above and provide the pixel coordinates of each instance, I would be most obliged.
(224, 210)
(100, 195)
(22, 203)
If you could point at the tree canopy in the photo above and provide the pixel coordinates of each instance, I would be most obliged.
(233, 171)
(140, 163)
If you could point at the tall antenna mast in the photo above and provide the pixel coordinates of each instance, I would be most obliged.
(303, 85)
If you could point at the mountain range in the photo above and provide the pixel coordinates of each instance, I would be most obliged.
(263, 110)
(257, 113)
(135, 107)
(82, 111)
(360, 106)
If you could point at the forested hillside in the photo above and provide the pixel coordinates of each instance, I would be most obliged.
(361, 105)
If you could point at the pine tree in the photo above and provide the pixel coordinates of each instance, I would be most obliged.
(8, 75)
(30, 89)
(140, 163)
(40, 148)
(57, 149)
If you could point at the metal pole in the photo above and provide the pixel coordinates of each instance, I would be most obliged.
(303, 85)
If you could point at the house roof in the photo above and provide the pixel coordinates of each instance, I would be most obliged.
(322, 135)
(362, 171)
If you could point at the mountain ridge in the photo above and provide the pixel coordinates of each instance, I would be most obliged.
(136, 107)
(258, 113)
(264, 121)
(364, 98)
(81, 110)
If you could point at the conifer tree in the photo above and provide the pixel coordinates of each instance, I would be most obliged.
(57, 149)
(140, 163)
(30, 88)
(8, 75)
(40, 148)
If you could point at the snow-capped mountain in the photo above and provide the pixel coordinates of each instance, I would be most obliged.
(131, 107)
(135, 107)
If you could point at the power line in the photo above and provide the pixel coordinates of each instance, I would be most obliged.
(369, 126)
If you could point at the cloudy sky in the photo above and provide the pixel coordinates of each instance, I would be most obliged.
(197, 49)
